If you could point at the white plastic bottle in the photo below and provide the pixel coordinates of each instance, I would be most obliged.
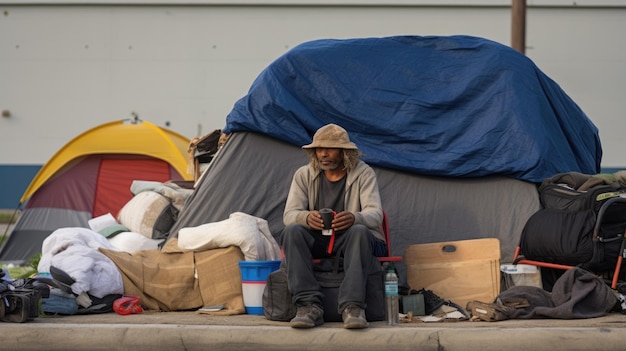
(391, 295)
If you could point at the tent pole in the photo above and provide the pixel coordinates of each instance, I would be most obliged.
(518, 25)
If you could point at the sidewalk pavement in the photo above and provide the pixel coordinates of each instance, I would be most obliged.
(5, 227)
(191, 331)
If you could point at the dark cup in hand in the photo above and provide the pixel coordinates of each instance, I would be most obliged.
(327, 216)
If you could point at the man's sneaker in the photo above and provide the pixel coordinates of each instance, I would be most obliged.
(308, 316)
(431, 301)
(354, 317)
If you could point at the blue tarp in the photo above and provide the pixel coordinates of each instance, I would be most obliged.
(457, 106)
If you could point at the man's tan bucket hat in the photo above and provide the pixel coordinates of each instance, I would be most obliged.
(331, 136)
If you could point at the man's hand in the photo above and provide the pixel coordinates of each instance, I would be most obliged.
(314, 220)
(343, 220)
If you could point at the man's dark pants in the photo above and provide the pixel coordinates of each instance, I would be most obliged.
(358, 247)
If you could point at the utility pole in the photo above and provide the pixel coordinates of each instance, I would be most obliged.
(518, 25)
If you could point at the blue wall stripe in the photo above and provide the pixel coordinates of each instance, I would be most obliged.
(14, 179)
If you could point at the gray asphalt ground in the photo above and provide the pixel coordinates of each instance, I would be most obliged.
(189, 331)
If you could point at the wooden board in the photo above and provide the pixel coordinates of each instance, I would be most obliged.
(460, 271)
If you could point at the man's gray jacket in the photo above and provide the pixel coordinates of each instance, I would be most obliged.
(362, 197)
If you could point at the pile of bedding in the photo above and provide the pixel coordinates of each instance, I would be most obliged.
(122, 255)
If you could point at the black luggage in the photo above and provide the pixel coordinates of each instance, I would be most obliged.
(558, 236)
(20, 299)
(582, 223)
(277, 304)
(330, 275)
(565, 191)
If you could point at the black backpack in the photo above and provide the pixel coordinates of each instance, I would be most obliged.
(276, 301)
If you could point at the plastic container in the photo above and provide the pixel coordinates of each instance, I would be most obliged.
(520, 274)
(253, 280)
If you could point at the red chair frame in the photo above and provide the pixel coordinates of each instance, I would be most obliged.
(387, 258)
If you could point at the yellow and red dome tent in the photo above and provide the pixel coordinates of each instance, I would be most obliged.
(90, 176)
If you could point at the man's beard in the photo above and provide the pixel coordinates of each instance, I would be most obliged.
(333, 166)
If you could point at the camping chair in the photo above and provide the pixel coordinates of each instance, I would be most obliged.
(605, 246)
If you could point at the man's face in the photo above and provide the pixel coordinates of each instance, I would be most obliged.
(329, 159)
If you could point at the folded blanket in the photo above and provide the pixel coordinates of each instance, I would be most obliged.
(75, 251)
(576, 294)
(175, 193)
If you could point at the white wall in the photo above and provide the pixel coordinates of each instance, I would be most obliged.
(67, 68)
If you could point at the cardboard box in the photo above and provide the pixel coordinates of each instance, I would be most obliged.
(460, 271)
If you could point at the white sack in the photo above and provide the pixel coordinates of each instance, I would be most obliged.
(251, 234)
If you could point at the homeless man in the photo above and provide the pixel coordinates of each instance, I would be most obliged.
(335, 178)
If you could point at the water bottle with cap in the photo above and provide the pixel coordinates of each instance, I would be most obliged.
(391, 295)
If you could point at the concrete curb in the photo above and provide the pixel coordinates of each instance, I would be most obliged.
(37, 336)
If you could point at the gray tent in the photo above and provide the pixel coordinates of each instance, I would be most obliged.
(252, 174)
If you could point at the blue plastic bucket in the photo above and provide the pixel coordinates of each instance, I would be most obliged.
(253, 280)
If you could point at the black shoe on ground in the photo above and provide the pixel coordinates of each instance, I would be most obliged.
(354, 317)
(431, 301)
(308, 316)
